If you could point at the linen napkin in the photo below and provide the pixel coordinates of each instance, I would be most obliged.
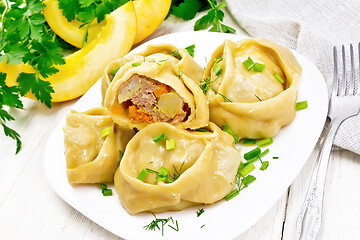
(312, 28)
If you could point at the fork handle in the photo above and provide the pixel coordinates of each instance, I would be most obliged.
(309, 220)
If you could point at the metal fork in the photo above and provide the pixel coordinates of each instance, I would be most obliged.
(343, 104)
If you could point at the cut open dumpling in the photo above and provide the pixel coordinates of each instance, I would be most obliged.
(157, 85)
(252, 86)
(91, 157)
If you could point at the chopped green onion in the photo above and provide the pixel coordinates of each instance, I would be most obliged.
(105, 132)
(258, 98)
(190, 49)
(217, 69)
(277, 76)
(265, 142)
(107, 192)
(202, 226)
(251, 161)
(249, 142)
(203, 130)
(218, 59)
(301, 105)
(259, 67)
(247, 180)
(249, 64)
(162, 175)
(159, 138)
(142, 175)
(234, 193)
(228, 130)
(275, 157)
(163, 171)
(247, 169)
(113, 72)
(170, 144)
(103, 186)
(135, 64)
(152, 171)
(264, 153)
(121, 154)
(253, 153)
(264, 165)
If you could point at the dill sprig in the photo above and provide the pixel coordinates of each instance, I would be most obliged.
(154, 224)
(175, 54)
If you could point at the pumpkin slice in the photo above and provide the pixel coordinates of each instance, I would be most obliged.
(149, 15)
(85, 66)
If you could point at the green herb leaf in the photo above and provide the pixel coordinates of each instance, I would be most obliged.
(40, 88)
(190, 49)
(187, 9)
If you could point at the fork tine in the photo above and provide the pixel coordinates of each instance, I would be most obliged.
(352, 79)
(336, 77)
(343, 87)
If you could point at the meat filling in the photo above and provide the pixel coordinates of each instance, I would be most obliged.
(148, 101)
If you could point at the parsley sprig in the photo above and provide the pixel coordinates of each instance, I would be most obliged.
(26, 38)
(187, 10)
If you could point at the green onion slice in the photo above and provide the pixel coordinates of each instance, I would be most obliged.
(113, 72)
(249, 64)
(159, 138)
(277, 76)
(203, 130)
(259, 67)
(234, 193)
(264, 165)
(247, 169)
(275, 157)
(217, 69)
(105, 132)
(142, 175)
(249, 142)
(228, 130)
(253, 153)
(135, 64)
(247, 180)
(107, 192)
(301, 105)
(265, 142)
(103, 186)
(264, 153)
(170, 144)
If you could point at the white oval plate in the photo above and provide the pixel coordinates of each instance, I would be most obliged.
(224, 219)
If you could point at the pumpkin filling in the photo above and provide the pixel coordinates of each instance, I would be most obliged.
(147, 101)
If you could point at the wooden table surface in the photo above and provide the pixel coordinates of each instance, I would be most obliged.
(30, 209)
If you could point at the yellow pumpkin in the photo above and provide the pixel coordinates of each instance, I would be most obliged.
(85, 66)
(149, 15)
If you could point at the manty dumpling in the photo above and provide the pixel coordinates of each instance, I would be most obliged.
(90, 157)
(254, 102)
(193, 168)
(159, 84)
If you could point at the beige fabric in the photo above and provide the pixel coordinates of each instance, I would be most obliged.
(207, 175)
(260, 105)
(312, 28)
(182, 75)
(90, 158)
